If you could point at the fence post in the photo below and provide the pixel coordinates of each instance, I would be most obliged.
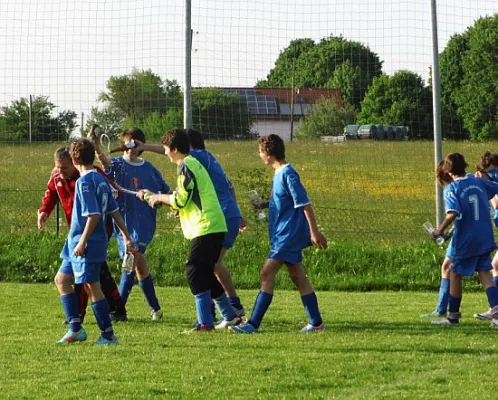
(187, 93)
(436, 105)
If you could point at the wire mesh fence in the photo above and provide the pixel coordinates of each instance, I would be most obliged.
(348, 82)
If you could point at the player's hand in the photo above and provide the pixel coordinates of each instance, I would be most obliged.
(42, 218)
(139, 146)
(92, 135)
(319, 240)
(131, 248)
(259, 204)
(80, 250)
(141, 193)
(153, 200)
(243, 225)
(436, 234)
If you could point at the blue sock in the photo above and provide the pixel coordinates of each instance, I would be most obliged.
(454, 304)
(310, 303)
(225, 308)
(101, 311)
(263, 301)
(495, 280)
(444, 293)
(492, 293)
(147, 286)
(70, 304)
(203, 307)
(125, 285)
(235, 302)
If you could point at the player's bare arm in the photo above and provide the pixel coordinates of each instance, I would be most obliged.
(155, 148)
(448, 220)
(91, 223)
(316, 236)
(130, 246)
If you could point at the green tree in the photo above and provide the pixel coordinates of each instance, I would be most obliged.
(477, 95)
(401, 99)
(305, 63)
(45, 125)
(110, 120)
(451, 73)
(220, 115)
(326, 119)
(141, 93)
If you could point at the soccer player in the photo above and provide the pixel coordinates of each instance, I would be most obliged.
(85, 248)
(226, 195)
(292, 227)
(203, 223)
(132, 172)
(466, 201)
(444, 179)
(61, 187)
(487, 169)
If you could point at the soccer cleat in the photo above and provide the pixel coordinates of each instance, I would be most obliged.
(433, 314)
(311, 328)
(486, 315)
(156, 315)
(239, 312)
(199, 328)
(118, 317)
(71, 337)
(446, 321)
(494, 322)
(224, 324)
(102, 341)
(244, 328)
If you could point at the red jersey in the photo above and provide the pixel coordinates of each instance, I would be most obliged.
(63, 190)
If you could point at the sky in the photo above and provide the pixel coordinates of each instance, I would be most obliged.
(68, 49)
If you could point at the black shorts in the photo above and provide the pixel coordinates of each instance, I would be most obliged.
(204, 253)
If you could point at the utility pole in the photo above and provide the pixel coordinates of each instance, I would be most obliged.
(30, 117)
(187, 93)
(436, 104)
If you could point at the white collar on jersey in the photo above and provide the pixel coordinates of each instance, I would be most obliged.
(135, 164)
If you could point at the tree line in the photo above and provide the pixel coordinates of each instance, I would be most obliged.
(469, 83)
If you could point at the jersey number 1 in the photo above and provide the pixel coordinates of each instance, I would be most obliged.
(474, 200)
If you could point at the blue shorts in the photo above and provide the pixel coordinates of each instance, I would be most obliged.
(122, 248)
(84, 272)
(233, 225)
(288, 257)
(469, 266)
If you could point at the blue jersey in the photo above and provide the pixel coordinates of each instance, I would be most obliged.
(493, 175)
(221, 183)
(473, 235)
(93, 196)
(139, 217)
(287, 224)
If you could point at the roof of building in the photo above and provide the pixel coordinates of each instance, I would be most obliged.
(269, 103)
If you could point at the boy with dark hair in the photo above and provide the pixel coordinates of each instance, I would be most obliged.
(85, 248)
(132, 172)
(466, 200)
(61, 187)
(203, 223)
(292, 227)
(226, 195)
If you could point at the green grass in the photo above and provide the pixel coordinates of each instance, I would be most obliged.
(363, 191)
(375, 347)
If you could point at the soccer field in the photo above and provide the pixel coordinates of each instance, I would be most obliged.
(375, 347)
